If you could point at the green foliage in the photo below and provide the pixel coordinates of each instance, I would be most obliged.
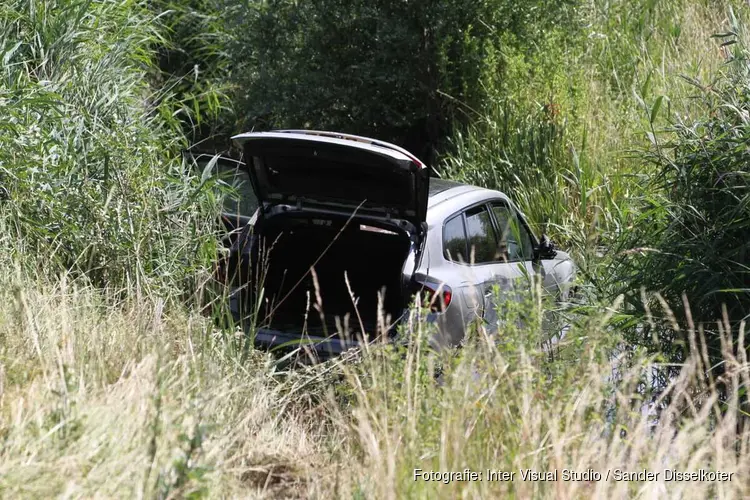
(518, 154)
(557, 136)
(692, 236)
(88, 148)
(112, 393)
(628, 35)
(400, 71)
(195, 64)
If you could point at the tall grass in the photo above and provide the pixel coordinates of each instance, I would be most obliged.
(133, 399)
(88, 150)
(109, 387)
(506, 406)
(691, 238)
(559, 137)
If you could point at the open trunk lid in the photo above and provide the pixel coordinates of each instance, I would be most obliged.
(337, 171)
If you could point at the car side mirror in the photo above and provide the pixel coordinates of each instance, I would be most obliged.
(546, 248)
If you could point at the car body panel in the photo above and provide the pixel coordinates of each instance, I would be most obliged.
(473, 285)
(558, 275)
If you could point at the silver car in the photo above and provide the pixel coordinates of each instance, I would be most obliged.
(349, 229)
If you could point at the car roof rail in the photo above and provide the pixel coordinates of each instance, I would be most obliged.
(358, 138)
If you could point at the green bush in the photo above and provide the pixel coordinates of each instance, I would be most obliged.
(88, 150)
(692, 236)
(399, 71)
(195, 63)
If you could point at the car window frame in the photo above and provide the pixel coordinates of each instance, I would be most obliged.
(199, 160)
(493, 228)
(534, 240)
(239, 167)
(462, 213)
(522, 223)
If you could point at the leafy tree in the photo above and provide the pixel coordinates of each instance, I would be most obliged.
(402, 71)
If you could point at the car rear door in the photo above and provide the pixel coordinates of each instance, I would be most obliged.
(469, 243)
(484, 265)
(512, 261)
(323, 170)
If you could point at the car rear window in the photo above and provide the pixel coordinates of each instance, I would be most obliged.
(331, 172)
(237, 195)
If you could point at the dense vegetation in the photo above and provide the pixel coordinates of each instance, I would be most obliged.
(89, 153)
(620, 127)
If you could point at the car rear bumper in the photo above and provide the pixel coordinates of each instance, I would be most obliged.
(274, 340)
(284, 341)
(323, 347)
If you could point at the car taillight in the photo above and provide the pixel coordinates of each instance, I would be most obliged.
(438, 296)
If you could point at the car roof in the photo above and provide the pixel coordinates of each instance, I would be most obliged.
(438, 185)
(442, 190)
(446, 197)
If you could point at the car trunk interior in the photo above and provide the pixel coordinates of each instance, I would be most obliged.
(372, 259)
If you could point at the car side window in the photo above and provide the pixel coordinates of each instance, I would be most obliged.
(454, 239)
(515, 240)
(480, 236)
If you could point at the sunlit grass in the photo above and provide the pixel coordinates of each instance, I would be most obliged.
(122, 399)
(113, 384)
